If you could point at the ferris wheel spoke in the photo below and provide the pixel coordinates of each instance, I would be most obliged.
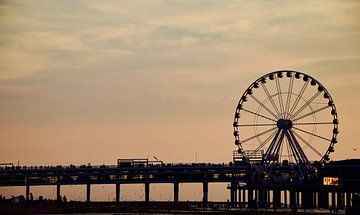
(300, 150)
(258, 135)
(310, 113)
(314, 123)
(280, 151)
(280, 143)
(305, 105)
(281, 102)
(315, 135)
(292, 147)
(288, 98)
(263, 143)
(255, 125)
(296, 147)
(266, 108)
(290, 155)
(271, 100)
(265, 117)
(270, 154)
(286, 128)
(308, 144)
(298, 98)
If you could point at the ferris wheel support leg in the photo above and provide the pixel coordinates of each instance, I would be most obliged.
(269, 151)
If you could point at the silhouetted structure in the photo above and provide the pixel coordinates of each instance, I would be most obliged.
(244, 191)
(261, 175)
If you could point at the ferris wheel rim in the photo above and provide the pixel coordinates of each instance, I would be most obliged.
(294, 116)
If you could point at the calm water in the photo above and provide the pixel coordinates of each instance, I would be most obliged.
(316, 211)
(187, 213)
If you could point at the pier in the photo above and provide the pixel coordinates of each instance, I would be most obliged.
(243, 193)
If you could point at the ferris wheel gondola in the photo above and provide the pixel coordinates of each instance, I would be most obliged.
(287, 117)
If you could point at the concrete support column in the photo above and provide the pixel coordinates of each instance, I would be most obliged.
(340, 200)
(285, 199)
(239, 198)
(147, 192)
(333, 202)
(307, 199)
(250, 198)
(58, 193)
(348, 200)
(311, 199)
(256, 198)
(27, 192)
(297, 199)
(117, 193)
(235, 198)
(276, 199)
(205, 192)
(88, 194)
(262, 200)
(244, 198)
(293, 202)
(323, 199)
(233, 194)
(176, 192)
(303, 200)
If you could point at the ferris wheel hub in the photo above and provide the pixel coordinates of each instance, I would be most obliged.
(287, 118)
(284, 124)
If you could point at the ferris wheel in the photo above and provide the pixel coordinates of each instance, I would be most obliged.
(286, 117)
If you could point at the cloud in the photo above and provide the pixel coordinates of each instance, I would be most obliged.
(138, 62)
(49, 41)
(15, 64)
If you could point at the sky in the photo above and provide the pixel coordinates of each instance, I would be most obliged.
(93, 81)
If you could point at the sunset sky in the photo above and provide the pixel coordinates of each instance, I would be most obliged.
(94, 81)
